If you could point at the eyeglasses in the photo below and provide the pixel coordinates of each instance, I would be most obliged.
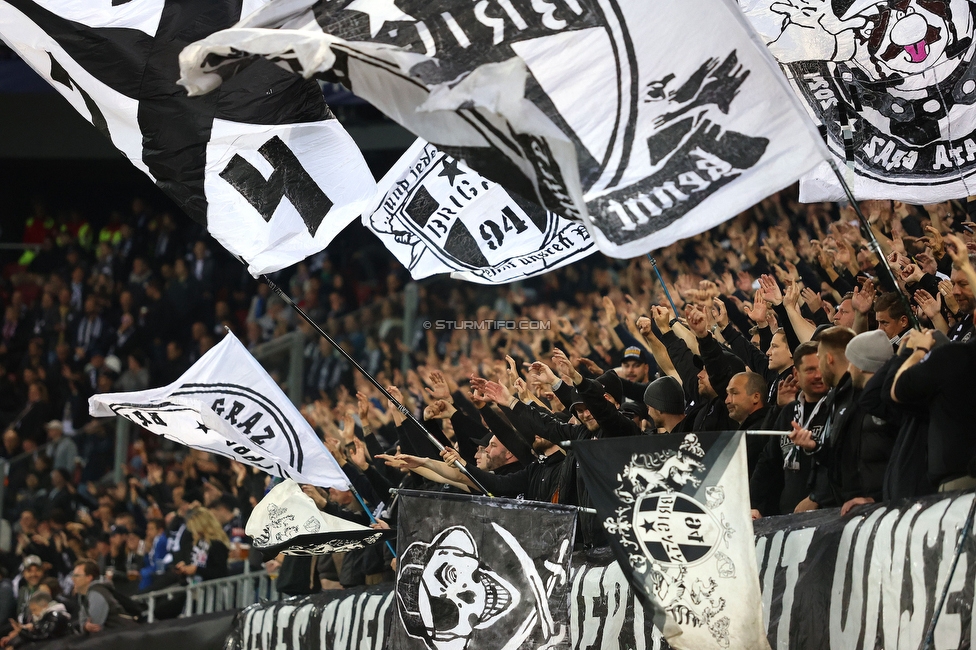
(78, 575)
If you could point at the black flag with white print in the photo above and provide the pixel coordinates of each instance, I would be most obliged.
(647, 121)
(262, 163)
(475, 573)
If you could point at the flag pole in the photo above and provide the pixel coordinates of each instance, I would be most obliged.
(400, 407)
(930, 632)
(663, 286)
(369, 513)
(874, 245)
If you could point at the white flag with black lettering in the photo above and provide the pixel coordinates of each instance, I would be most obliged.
(649, 121)
(438, 216)
(227, 404)
(263, 163)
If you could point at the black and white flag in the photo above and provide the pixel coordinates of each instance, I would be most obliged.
(287, 521)
(227, 404)
(677, 511)
(650, 121)
(475, 573)
(893, 86)
(438, 216)
(262, 163)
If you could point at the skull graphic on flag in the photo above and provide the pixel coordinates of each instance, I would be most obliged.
(476, 573)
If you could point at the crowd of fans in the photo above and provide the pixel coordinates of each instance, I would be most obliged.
(786, 320)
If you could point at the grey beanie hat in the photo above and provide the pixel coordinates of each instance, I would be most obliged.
(665, 394)
(869, 351)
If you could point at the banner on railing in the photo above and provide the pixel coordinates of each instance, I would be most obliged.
(865, 581)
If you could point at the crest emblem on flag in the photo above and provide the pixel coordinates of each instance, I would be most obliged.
(665, 531)
(436, 215)
(677, 512)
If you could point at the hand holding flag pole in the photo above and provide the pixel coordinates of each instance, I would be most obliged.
(400, 407)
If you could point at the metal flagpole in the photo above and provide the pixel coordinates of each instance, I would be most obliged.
(400, 407)
(930, 632)
(369, 513)
(873, 243)
(584, 510)
(663, 286)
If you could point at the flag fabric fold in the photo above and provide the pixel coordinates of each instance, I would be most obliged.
(226, 403)
(676, 508)
(262, 163)
(570, 105)
(439, 216)
(287, 521)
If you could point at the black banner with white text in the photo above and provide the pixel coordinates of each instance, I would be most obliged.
(869, 580)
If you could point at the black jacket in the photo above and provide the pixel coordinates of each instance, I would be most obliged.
(781, 478)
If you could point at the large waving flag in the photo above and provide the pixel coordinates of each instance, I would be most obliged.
(650, 121)
(893, 86)
(262, 163)
(677, 512)
(439, 216)
(227, 404)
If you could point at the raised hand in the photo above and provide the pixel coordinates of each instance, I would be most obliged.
(787, 390)
(771, 292)
(863, 299)
(497, 393)
(562, 363)
(945, 288)
(609, 317)
(935, 240)
(956, 248)
(697, 323)
(439, 410)
(792, 299)
(358, 455)
(757, 312)
(720, 314)
(662, 317)
(644, 326)
(438, 388)
(930, 306)
(541, 373)
(812, 299)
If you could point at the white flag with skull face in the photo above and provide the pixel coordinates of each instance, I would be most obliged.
(263, 163)
(227, 404)
(893, 86)
(438, 216)
(648, 121)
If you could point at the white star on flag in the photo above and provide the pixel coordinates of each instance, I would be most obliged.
(379, 12)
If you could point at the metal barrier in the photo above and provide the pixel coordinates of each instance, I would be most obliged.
(232, 592)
